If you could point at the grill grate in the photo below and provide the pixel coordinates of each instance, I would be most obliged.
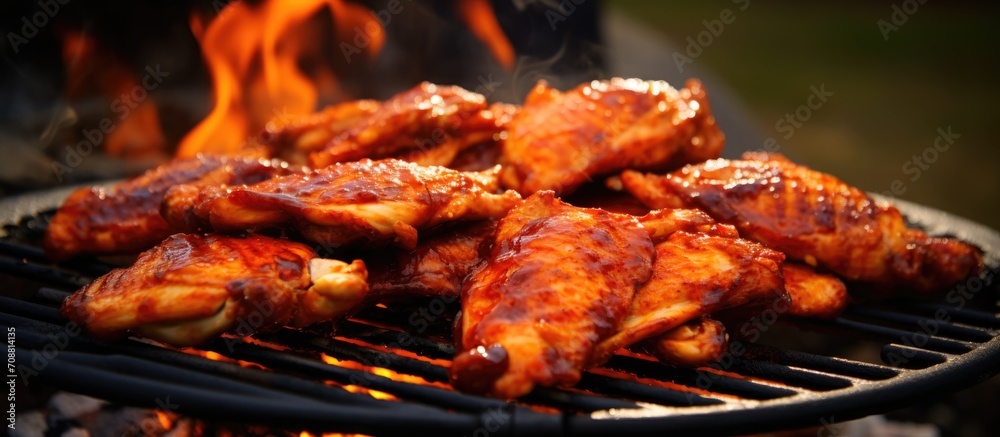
(303, 380)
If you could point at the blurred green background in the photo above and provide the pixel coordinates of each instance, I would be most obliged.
(890, 96)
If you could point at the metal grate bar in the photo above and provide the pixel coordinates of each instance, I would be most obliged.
(642, 392)
(911, 357)
(847, 327)
(42, 274)
(912, 322)
(835, 365)
(35, 311)
(697, 378)
(780, 373)
(15, 250)
(985, 319)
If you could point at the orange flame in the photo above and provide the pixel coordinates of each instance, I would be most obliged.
(479, 16)
(165, 421)
(133, 130)
(215, 356)
(253, 53)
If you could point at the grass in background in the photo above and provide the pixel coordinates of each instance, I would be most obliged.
(890, 97)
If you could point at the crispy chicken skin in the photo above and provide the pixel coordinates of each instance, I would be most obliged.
(191, 288)
(558, 280)
(125, 219)
(814, 218)
(354, 202)
(425, 117)
(436, 268)
(295, 139)
(557, 141)
(696, 274)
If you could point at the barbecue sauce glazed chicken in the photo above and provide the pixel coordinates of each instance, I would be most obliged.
(548, 289)
(385, 201)
(191, 288)
(813, 218)
(125, 219)
(557, 141)
(429, 124)
(558, 281)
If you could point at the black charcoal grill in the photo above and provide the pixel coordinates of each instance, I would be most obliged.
(924, 348)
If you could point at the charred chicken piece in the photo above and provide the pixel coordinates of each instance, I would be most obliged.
(812, 217)
(191, 288)
(354, 202)
(697, 274)
(558, 280)
(125, 219)
(557, 141)
(294, 140)
(424, 118)
(436, 268)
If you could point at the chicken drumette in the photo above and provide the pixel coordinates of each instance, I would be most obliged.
(814, 218)
(354, 202)
(557, 141)
(191, 288)
(125, 219)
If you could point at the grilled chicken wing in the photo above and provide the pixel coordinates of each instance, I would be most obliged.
(373, 201)
(692, 344)
(191, 288)
(423, 118)
(436, 268)
(696, 274)
(814, 294)
(557, 141)
(125, 219)
(812, 217)
(294, 140)
(558, 280)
